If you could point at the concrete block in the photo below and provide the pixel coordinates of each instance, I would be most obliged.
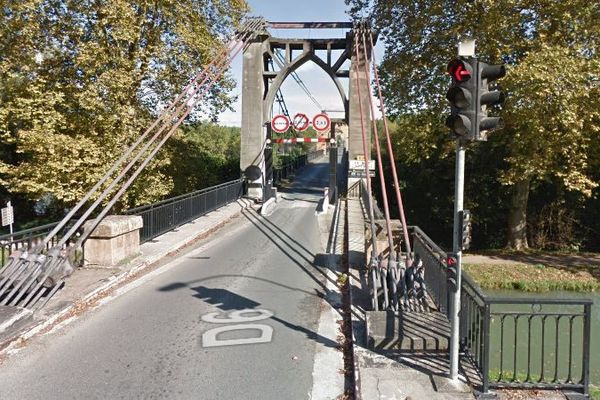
(115, 239)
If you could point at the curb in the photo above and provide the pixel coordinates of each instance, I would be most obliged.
(268, 206)
(46, 323)
(355, 356)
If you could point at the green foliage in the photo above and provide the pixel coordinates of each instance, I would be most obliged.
(203, 155)
(594, 392)
(80, 81)
(551, 114)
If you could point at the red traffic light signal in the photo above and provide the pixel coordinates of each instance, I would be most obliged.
(451, 261)
(459, 70)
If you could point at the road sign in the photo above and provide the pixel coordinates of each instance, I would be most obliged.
(280, 123)
(300, 122)
(8, 217)
(321, 122)
(360, 165)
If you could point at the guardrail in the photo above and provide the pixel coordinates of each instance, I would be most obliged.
(167, 215)
(289, 168)
(158, 218)
(30, 238)
(520, 343)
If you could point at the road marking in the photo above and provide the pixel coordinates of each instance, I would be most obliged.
(210, 338)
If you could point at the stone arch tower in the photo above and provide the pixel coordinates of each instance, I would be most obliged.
(261, 82)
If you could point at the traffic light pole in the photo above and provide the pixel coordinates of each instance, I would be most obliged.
(457, 249)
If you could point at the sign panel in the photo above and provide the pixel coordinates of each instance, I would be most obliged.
(8, 215)
(280, 123)
(321, 122)
(360, 165)
(300, 122)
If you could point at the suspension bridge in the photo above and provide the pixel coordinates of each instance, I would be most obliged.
(273, 272)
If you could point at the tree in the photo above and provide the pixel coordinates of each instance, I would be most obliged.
(80, 80)
(551, 50)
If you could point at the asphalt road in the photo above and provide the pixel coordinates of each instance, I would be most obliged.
(182, 334)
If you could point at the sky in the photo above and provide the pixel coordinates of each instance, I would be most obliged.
(318, 83)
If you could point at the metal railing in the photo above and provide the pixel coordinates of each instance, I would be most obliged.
(169, 214)
(289, 168)
(434, 260)
(31, 238)
(521, 343)
(539, 343)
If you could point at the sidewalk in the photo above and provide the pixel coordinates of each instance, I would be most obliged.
(386, 374)
(86, 286)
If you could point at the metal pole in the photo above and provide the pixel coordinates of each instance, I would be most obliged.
(456, 247)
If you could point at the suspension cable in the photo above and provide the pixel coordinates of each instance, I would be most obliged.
(31, 270)
(392, 159)
(374, 262)
(392, 256)
(164, 116)
(189, 95)
(300, 82)
(214, 77)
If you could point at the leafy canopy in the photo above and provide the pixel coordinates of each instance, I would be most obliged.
(80, 80)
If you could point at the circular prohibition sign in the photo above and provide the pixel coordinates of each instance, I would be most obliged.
(300, 122)
(280, 123)
(321, 122)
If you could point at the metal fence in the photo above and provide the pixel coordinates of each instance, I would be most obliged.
(289, 168)
(434, 260)
(30, 238)
(158, 218)
(527, 343)
(169, 214)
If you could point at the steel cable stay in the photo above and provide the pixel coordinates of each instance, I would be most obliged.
(391, 266)
(392, 160)
(412, 268)
(164, 117)
(27, 273)
(374, 265)
(404, 279)
(194, 95)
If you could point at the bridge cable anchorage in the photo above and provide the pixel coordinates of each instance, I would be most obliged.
(374, 265)
(39, 274)
(391, 267)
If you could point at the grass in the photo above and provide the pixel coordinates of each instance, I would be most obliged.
(535, 277)
(594, 392)
(521, 377)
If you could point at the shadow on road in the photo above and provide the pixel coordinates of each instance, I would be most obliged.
(228, 301)
(224, 299)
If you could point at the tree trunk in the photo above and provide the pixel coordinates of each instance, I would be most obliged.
(517, 217)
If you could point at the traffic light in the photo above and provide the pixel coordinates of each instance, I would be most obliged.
(469, 98)
(464, 229)
(462, 97)
(451, 270)
(487, 73)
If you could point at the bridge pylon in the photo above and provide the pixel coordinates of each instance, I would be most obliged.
(264, 72)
